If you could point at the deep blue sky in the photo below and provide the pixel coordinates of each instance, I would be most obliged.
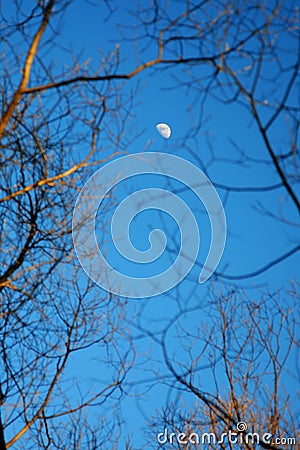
(254, 239)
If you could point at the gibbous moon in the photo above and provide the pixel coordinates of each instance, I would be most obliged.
(164, 130)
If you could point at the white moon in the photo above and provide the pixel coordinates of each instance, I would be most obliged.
(164, 130)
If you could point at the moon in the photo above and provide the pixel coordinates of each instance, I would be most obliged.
(164, 130)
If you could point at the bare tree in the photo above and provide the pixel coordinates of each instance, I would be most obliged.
(58, 125)
(50, 312)
(228, 376)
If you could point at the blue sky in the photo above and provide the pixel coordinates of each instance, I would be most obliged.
(253, 240)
